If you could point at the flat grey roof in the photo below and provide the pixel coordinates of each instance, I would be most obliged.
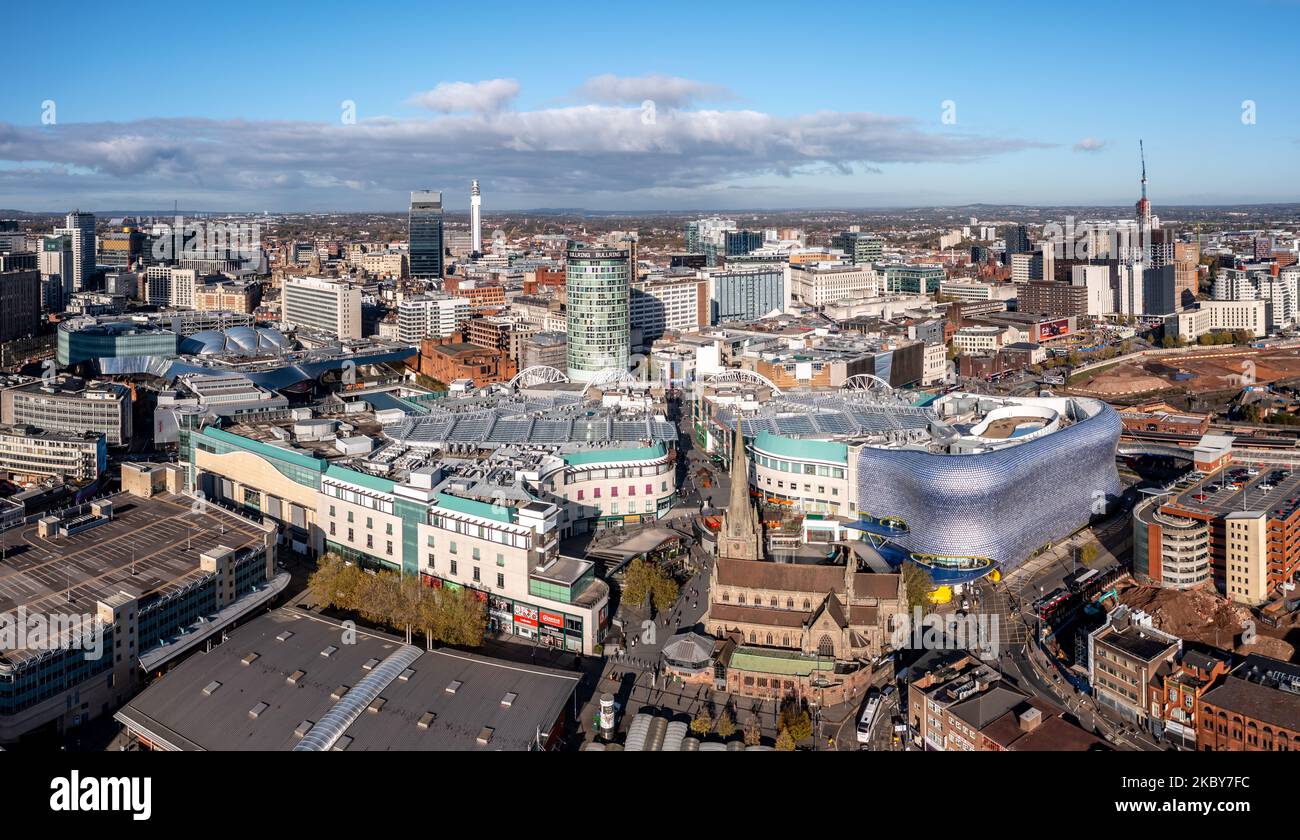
(446, 700)
(162, 537)
(1250, 497)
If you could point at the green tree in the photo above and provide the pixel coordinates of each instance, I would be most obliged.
(642, 580)
(917, 584)
(1088, 553)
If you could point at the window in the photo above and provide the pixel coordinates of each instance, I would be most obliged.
(388, 547)
(501, 559)
(649, 489)
(453, 567)
(825, 646)
(501, 581)
(476, 575)
(430, 561)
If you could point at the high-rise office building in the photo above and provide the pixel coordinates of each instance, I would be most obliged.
(20, 302)
(598, 288)
(1017, 241)
(81, 227)
(861, 248)
(425, 223)
(747, 292)
(55, 262)
(475, 219)
(430, 316)
(331, 307)
(739, 242)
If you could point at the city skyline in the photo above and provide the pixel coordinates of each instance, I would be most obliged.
(889, 121)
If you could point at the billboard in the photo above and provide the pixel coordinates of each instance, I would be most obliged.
(1055, 328)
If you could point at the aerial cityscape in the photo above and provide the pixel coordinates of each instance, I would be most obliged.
(660, 398)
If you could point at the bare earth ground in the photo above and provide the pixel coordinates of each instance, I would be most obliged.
(1201, 617)
(1210, 369)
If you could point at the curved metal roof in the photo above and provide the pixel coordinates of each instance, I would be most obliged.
(327, 731)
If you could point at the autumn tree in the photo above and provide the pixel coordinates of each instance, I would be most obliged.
(642, 580)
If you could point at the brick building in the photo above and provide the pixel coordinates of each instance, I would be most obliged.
(452, 358)
(1255, 709)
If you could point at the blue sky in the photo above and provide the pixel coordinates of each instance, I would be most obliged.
(756, 105)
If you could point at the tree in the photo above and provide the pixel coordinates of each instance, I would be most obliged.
(794, 719)
(725, 727)
(323, 583)
(642, 580)
(918, 585)
(1088, 553)
(752, 735)
(702, 724)
(387, 598)
(784, 742)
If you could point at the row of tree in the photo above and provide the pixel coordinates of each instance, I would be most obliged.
(450, 616)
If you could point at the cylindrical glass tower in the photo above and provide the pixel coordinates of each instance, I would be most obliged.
(597, 289)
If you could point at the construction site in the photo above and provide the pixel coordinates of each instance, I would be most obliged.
(1194, 372)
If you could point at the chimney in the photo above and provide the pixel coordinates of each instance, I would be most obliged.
(1030, 719)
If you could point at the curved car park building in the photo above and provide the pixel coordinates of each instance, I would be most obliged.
(964, 485)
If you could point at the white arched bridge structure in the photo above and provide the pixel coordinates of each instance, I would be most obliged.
(537, 375)
(867, 383)
(611, 378)
(739, 376)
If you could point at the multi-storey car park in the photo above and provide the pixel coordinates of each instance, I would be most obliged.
(963, 485)
(116, 589)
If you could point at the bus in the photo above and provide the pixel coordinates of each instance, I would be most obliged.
(1048, 605)
(868, 718)
(1078, 581)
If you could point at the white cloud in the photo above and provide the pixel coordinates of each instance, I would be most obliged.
(1090, 144)
(468, 97)
(558, 156)
(664, 91)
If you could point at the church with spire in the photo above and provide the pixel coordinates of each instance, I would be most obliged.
(792, 625)
(741, 535)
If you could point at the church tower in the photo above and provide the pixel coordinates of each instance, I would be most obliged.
(741, 535)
